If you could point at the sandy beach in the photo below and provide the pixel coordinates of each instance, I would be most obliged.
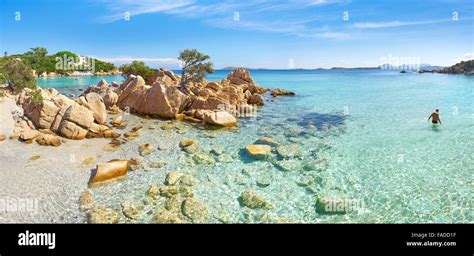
(54, 181)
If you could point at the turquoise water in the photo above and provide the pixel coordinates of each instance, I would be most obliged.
(366, 129)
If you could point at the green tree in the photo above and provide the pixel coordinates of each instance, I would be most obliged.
(136, 68)
(39, 59)
(19, 75)
(194, 66)
(39, 52)
(103, 66)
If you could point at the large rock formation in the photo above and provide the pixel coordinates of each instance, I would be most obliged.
(158, 99)
(106, 91)
(63, 116)
(215, 103)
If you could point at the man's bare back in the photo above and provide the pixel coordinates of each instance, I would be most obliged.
(435, 117)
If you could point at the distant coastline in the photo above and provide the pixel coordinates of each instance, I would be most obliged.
(463, 67)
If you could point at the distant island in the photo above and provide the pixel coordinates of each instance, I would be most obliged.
(464, 67)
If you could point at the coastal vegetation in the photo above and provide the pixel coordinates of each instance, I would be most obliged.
(41, 62)
(137, 68)
(18, 74)
(194, 66)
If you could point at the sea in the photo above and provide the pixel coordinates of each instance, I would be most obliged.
(359, 139)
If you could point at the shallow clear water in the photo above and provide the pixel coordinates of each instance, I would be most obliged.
(368, 128)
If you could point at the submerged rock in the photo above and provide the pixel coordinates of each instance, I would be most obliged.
(251, 199)
(173, 204)
(172, 178)
(2, 137)
(145, 149)
(157, 164)
(189, 146)
(168, 191)
(330, 205)
(130, 135)
(187, 180)
(258, 151)
(315, 165)
(288, 165)
(166, 217)
(85, 201)
(131, 210)
(135, 163)
(217, 150)
(203, 158)
(113, 145)
(153, 191)
(195, 210)
(263, 182)
(88, 162)
(289, 151)
(186, 191)
(267, 141)
(103, 216)
(35, 157)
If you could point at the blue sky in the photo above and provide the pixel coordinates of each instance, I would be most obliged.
(270, 34)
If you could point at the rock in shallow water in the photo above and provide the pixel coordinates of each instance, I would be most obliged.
(189, 146)
(330, 205)
(85, 201)
(172, 178)
(110, 170)
(289, 151)
(103, 216)
(195, 210)
(203, 158)
(131, 210)
(145, 149)
(166, 217)
(251, 199)
(267, 141)
(220, 118)
(88, 162)
(258, 151)
(153, 191)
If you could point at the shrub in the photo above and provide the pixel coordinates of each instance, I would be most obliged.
(136, 68)
(19, 74)
(36, 97)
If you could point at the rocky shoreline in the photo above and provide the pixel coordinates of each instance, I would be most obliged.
(58, 118)
(464, 67)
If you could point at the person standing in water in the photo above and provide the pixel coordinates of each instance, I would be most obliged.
(435, 117)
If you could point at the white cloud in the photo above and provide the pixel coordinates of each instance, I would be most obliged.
(118, 8)
(469, 55)
(258, 14)
(130, 59)
(395, 23)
